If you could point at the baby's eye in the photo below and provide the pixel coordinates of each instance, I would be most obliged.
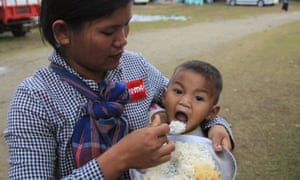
(177, 91)
(199, 98)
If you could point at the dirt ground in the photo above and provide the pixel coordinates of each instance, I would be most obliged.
(160, 47)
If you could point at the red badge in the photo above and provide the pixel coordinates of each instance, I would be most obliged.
(136, 90)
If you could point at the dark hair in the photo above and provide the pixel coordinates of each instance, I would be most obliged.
(74, 12)
(208, 71)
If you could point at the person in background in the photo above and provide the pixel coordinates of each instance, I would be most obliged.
(80, 105)
(192, 95)
(285, 5)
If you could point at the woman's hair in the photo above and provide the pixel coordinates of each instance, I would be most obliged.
(74, 12)
(208, 71)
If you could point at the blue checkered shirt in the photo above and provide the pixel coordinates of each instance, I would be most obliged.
(44, 110)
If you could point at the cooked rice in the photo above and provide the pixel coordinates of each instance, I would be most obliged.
(177, 127)
(188, 162)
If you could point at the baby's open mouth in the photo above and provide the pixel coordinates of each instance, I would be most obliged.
(182, 117)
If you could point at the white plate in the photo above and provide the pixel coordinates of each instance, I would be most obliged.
(225, 159)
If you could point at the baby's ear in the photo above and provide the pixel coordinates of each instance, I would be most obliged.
(163, 97)
(213, 112)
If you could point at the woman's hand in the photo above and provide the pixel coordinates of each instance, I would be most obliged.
(220, 137)
(143, 148)
(150, 146)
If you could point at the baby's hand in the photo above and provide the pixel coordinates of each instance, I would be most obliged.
(219, 137)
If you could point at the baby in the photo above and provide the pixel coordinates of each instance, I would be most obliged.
(192, 96)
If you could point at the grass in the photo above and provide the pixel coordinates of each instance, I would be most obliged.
(261, 99)
(261, 96)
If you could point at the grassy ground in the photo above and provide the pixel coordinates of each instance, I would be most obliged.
(208, 12)
(261, 97)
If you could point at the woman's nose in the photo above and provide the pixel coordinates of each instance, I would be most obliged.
(121, 39)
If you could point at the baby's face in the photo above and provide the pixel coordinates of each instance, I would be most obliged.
(189, 98)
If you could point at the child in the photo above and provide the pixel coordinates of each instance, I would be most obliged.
(192, 95)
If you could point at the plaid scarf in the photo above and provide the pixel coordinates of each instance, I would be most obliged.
(104, 123)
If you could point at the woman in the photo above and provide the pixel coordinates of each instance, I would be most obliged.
(88, 38)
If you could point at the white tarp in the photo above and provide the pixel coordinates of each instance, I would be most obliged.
(151, 18)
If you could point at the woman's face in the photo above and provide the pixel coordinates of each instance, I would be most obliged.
(98, 47)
